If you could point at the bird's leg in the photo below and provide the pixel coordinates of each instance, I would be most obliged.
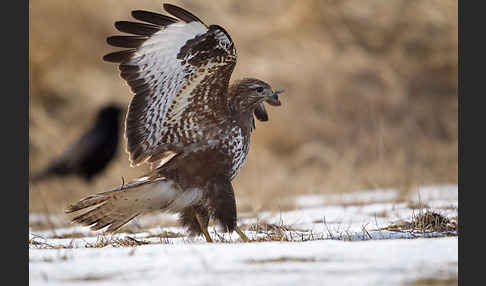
(203, 228)
(241, 234)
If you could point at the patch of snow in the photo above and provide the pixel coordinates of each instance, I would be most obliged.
(359, 197)
(347, 248)
(444, 193)
(327, 262)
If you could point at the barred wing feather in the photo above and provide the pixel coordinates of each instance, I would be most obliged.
(179, 72)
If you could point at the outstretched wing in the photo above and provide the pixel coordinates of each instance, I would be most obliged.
(179, 72)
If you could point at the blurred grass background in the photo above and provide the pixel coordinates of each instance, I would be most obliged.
(371, 92)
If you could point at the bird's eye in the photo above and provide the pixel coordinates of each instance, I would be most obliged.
(259, 89)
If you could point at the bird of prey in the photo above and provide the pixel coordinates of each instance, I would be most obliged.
(184, 119)
(92, 152)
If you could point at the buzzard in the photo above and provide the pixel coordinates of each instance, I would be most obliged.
(92, 152)
(184, 119)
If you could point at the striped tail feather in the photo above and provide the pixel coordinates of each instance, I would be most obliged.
(115, 208)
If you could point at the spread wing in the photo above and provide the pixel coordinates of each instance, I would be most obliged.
(179, 70)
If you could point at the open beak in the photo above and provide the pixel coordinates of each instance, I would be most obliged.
(260, 111)
(273, 98)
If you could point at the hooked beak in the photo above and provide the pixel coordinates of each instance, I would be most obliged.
(273, 98)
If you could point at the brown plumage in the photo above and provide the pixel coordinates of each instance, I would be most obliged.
(184, 119)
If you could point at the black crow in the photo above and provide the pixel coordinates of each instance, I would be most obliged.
(90, 154)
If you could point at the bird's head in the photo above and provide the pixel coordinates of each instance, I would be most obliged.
(249, 94)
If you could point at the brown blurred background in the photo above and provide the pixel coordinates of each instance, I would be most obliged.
(371, 93)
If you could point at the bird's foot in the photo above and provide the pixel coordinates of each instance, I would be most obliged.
(204, 229)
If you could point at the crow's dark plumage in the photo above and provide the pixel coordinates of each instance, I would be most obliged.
(90, 154)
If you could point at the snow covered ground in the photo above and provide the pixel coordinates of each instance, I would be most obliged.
(327, 240)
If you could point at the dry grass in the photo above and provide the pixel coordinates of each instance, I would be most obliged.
(426, 221)
(424, 224)
(446, 281)
(284, 259)
(261, 227)
(370, 101)
(432, 221)
(273, 232)
(75, 235)
(166, 234)
(94, 277)
(104, 240)
(40, 243)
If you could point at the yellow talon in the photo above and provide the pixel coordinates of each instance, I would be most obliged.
(203, 229)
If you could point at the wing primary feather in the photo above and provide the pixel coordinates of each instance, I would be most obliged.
(180, 13)
(129, 72)
(153, 18)
(129, 76)
(120, 56)
(126, 41)
(135, 28)
(128, 68)
(137, 84)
